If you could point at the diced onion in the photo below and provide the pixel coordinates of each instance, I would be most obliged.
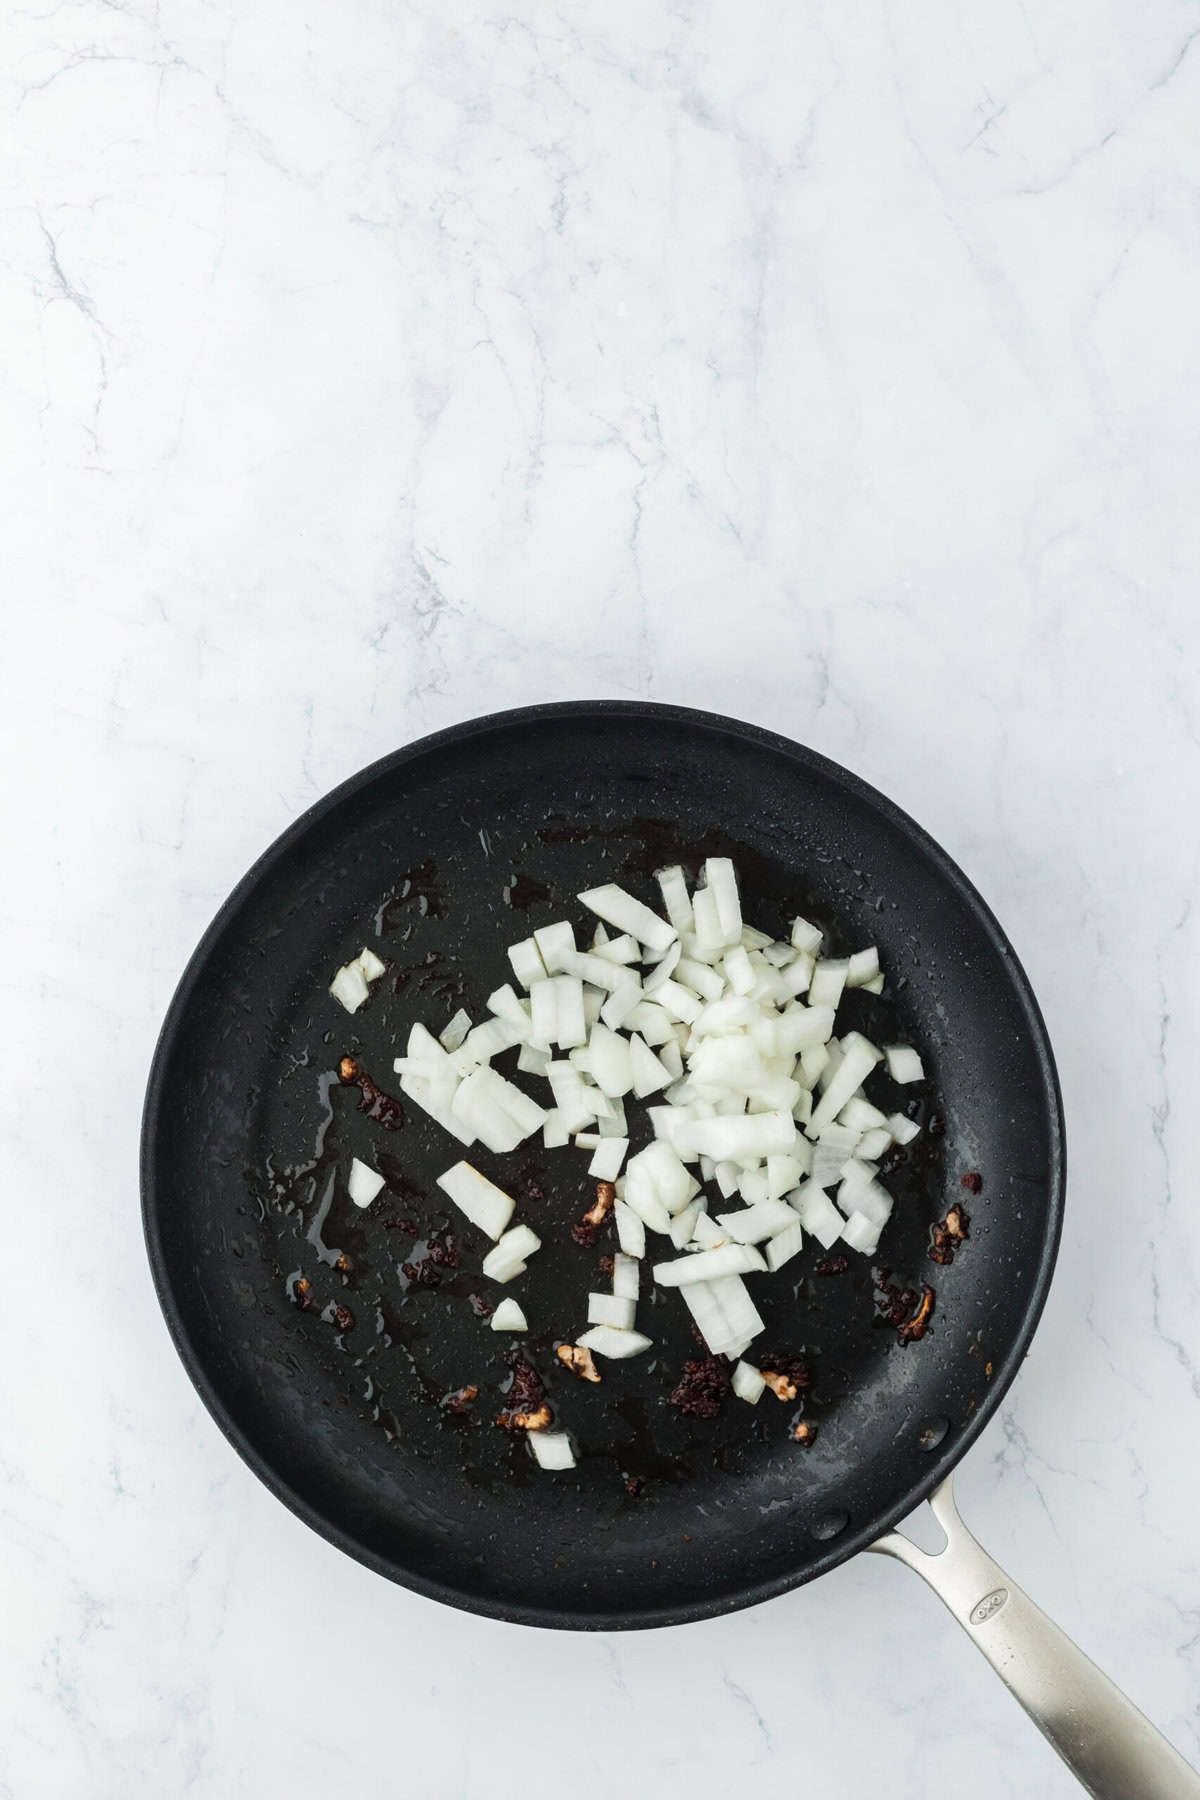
(551, 1449)
(606, 1340)
(611, 1309)
(747, 1383)
(509, 1317)
(363, 1183)
(631, 1230)
(903, 1063)
(617, 908)
(481, 1200)
(609, 1155)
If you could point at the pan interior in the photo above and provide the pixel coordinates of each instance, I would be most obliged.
(440, 857)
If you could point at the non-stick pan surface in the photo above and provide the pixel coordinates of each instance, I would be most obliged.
(348, 1415)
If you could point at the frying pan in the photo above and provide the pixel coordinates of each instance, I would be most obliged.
(332, 1345)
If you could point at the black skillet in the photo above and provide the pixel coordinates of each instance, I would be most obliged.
(330, 1344)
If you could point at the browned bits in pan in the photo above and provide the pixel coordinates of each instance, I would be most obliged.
(585, 1232)
(703, 1388)
(916, 1327)
(459, 1401)
(784, 1373)
(302, 1294)
(421, 1274)
(527, 1409)
(832, 1265)
(949, 1235)
(896, 1305)
(537, 1420)
(892, 1302)
(580, 1361)
(973, 1181)
(339, 1315)
(805, 1433)
(383, 1108)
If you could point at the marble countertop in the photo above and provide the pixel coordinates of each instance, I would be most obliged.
(370, 366)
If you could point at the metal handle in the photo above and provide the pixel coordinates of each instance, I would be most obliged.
(1112, 1747)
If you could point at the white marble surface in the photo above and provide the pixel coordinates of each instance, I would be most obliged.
(370, 365)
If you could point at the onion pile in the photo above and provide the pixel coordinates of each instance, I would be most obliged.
(729, 1034)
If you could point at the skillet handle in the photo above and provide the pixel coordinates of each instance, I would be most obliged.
(1102, 1737)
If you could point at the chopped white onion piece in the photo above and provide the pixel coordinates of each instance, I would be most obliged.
(709, 1315)
(631, 1230)
(543, 1014)
(727, 1178)
(707, 1265)
(663, 969)
(733, 1297)
(531, 1060)
(617, 908)
(594, 969)
(709, 935)
(509, 1317)
(363, 1184)
(622, 1001)
(684, 1223)
(452, 1037)
(859, 1115)
(874, 1142)
(859, 1057)
(527, 964)
(753, 1186)
(370, 964)
(903, 1063)
(678, 1002)
(671, 1058)
(610, 1309)
(818, 1214)
(676, 904)
(828, 980)
(699, 978)
(571, 1027)
(610, 1061)
(349, 986)
(862, 967)
(747, 1383)
(739, 971)
(861, 1234)
(505, 1004)
(481, 1200)
(873, 987)
(805, 936)
(623, 949)
(740, 1138)
(508, 1258)
(812, 1065)
(783, 1172)
(626, 1276)
(552, 941)
(903, 1130)
(872, 1200)
(651, 1022)
(784, 1245)
(551, 1449)
(609, 1155)
(659, 1165)
(554, 1132)
(606, 1340)
(766, 1218)
(650, 1076)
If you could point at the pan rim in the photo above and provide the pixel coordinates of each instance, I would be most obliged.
(842, 1547)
